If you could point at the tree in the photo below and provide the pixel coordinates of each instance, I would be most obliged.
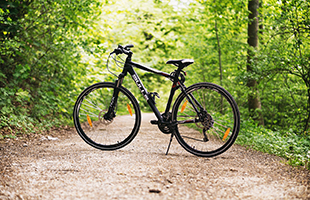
(286, 55)
(254, 103)
(296, 14)
(39, 56)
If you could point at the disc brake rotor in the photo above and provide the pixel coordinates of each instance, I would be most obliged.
(101, 118)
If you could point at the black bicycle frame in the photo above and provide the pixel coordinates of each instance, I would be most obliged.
(128, 67)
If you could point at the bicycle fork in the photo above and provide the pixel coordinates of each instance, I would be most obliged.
(109, 116)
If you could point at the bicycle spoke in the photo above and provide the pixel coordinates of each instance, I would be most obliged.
(215, 122)
(95, 107)
(221, 125)
(202, 95)
(90, 113)
(226, 132)
(104, 134)
(192, 109)
(215, 131)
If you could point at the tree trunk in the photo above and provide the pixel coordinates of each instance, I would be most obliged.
(219, 53)
(307, 125)
(260, 24)
(220, 61)
(253, 97)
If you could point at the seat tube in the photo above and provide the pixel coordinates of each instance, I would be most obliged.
(172, 92)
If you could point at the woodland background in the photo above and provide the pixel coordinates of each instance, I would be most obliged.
(52, 49)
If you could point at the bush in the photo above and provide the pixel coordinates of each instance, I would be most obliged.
(295, 148)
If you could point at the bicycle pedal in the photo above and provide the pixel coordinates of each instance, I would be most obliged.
(155, 122)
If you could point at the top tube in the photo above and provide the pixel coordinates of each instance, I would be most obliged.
(149, 69)
(126, 50)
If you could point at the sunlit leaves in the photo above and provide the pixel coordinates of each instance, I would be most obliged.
(39, 57)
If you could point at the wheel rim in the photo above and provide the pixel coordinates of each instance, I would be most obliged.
(101, 133)
(221, 128)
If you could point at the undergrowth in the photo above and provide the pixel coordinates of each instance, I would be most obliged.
(17, 125)
(294, 148)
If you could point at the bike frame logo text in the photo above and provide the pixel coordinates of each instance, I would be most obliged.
(140, 86)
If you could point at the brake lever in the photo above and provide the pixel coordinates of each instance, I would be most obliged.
(120, 49)
(116, 51)
(128, 46)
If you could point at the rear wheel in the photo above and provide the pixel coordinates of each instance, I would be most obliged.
(99, 131)
(215, 128)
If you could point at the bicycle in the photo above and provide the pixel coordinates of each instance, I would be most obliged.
(204, 118)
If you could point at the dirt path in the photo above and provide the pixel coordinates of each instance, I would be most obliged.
(67, 168)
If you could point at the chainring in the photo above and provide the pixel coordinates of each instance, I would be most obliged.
(166, 128)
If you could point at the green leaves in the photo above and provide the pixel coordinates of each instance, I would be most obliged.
(293, 147)
(39, 56)
(21, 72)
(51, 50)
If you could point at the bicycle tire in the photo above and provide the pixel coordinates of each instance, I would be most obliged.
(220, 134)
(89, 109)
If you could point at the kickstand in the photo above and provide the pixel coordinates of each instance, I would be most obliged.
(169, 143)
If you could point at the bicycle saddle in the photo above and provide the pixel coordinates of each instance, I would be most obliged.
(181, 63)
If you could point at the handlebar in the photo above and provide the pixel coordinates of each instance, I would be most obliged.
(123, 50)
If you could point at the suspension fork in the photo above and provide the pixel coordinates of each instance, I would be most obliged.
(111, 111)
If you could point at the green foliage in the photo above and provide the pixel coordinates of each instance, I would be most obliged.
(146, 24)
(284, 64)
(39, 56)
(289, 145)
(51, 50)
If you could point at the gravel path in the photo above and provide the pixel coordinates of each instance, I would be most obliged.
(64, 167)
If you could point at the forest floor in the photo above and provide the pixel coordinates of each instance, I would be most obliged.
(60, 165)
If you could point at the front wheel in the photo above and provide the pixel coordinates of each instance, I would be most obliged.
(214, 128)
(99, 131)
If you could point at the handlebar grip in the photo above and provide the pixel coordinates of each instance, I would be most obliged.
(120, 49)
(129, 46)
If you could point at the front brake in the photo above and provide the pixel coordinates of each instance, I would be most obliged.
(106, 117)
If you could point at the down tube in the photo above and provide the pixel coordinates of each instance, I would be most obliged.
(145, 94)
